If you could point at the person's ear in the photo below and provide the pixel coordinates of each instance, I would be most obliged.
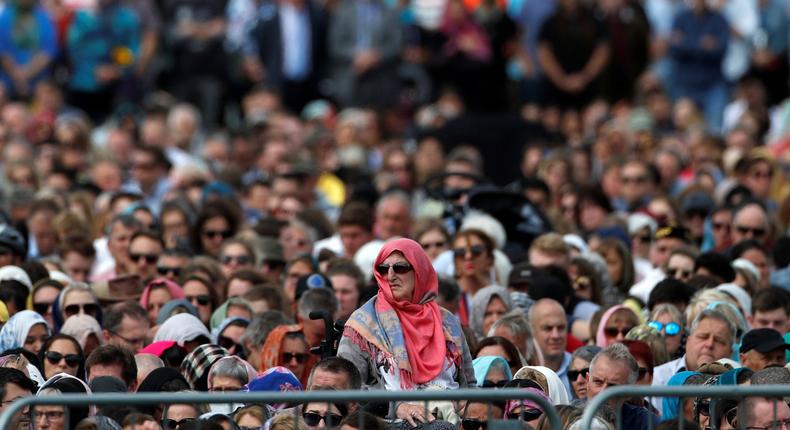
(106, 335)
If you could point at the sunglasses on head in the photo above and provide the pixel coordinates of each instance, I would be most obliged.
(239, 259)
(169, 424)
(475, 250)
(300, 357)
(149, 258)
(613, 331)
(573, 374)
(494, 384)
(72, 360)
(473, 424)
(88, 309)
(202, 299)
(312, 419)
(211, 234)
(164, 270)
(400, 268)
(525, 415)
(670, 329)
(42, 308)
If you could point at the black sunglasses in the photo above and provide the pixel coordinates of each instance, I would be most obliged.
(202, 299)
(399, 268)
(225, 342)
(475, 250)
(88, 308)
(169, 424)
(703, 408)
(525, 415)
(612, 331)
(312, 419)
(72, 360)
(164, 270)
(472, 424)
(300, 357)
(239, 259)
(211, 234)
(491, 384)
(42, 308)
(574, 374)
(756, 231)
(149, 258)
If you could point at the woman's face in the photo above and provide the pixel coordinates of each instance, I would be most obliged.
(234, 256)
(294, 355)
(497, 351)
(312, 412)
(618, 325)
(249, 421)
(494, 311)
(174, 225)
(36, 337)
(214, 231)
(79, 302)
(673, 342)
(433, 243)
(401, 284)
(680, 267)
(42, 302)
(197, 293)
(62, 357)
(238, 287)
(496, 375)
(232, 333)
(157, 298)
(49, 418)
(579, 384)
(615, 265)
(471, 257)
(295, 271)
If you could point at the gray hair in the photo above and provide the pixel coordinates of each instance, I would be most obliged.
(260, 327)
(517, 323)
(586, 353)
(230, 367)
(147, 363)
(75, 286)
(312, 234)
(619, 353)
(398, 195)
(317, 299)
(710, 313)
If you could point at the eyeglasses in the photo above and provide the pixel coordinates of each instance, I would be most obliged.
(494, 384)
(312, 419)
(475, 250)
(201, 299)
(164, 270)
(50, 415)
(678, 272)
(525, 415)
(225, 342)
(300, 357)
(239, 259)
(670, 328)
(42, 308)
(169, 424)
(613, 331)
(773, 425)
(139, 341)
(72, 360)
(400, 268)
(211, 234)
(755, 231)
(149, 258)
(574, 374)
(86, 308)
(472, 424)
(428, 245)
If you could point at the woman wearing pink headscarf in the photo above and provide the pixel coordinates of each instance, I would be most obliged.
(156, 294)
(401, 339)
(615, 323)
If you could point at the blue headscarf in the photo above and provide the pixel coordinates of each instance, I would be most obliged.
(15, 331)
(730, 377)
(670, 405)
(483, 365)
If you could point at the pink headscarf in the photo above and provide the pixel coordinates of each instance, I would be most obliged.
(600, 336)
(420, 318)
(175, 290)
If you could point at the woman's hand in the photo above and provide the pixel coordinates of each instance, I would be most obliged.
(414, 414)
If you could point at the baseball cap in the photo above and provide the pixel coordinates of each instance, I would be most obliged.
(763, 340)
(522, 273)
(673, 231)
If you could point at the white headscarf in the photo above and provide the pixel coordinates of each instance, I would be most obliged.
(15, 331)
(181, 328)
(557, 391)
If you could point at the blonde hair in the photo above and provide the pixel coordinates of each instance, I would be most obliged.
(700, 301)
(287, 422)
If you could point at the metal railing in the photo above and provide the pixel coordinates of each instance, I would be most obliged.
(300, 397)
(738, 392)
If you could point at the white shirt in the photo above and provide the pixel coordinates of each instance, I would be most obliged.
(661, 376)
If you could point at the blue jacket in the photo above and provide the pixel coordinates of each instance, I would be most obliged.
(694, 65)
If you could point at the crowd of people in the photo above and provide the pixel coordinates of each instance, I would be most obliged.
(557, 196)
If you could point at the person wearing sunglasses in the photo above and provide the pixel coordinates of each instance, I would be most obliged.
(235, 254)
(77, 298)
(432, 236)
(62, 354)
(475, 414)
(473, 258)
(45, 292)
(156, 294)
(424, 343)
(667, 319)
(216, 223)
(228, 335)
(177, 415)
(526, 411)
(319, 415)
(198, 291)
(579, 368)
(615, 323)
(287, 346)
(680, 264)
(491, 372)
(144, 251)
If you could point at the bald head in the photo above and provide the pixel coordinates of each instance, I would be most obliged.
(146, 363)
(550, 327)
(750, 222)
